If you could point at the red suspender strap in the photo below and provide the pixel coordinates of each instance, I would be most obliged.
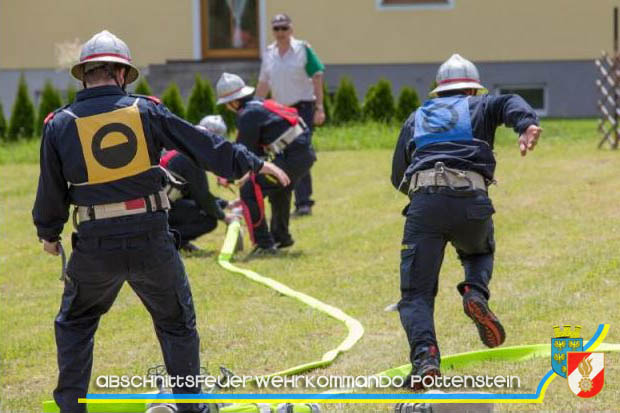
(259, 199)
(258, 193)
(248, 220)
(164, 160)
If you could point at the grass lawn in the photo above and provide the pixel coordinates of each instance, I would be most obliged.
(557, 262)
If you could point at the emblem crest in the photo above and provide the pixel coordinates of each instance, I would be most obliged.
(565, 340)
(586, 373)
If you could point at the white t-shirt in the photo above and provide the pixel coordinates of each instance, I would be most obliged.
(286, 75)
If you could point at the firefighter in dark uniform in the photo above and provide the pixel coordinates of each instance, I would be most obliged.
(194, 210)
(268, 129)
(101, 153)
(444, 161)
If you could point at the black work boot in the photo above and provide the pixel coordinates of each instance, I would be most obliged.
(190, 247)
(284, 243)
(426, 363)
(477, 308)
(259, 251)
(302, 211)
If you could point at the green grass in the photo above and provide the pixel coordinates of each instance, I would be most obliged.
(557, 262)
(371, 135)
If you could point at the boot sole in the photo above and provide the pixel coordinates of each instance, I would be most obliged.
(490, 329)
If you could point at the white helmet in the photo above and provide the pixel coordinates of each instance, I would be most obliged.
(457, 73)
(104, 47)
(231, 87)
(214, 124)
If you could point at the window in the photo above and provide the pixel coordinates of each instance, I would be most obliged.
(230, 28)
(536, 96)
(410, 4)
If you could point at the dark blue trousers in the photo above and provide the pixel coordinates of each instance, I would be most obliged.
(436, 216)
(189, 220)
(138, 249)
(303, 188)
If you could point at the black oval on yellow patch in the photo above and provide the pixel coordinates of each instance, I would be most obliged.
(116, 156)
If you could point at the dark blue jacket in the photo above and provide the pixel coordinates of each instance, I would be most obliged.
(258, 127)
(197, 184)
(110, 153)
(458, 131)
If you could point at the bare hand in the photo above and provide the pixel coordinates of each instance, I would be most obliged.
(270, 169)
(51, 247)
(319, 116)
(529, 138)
(243, 180)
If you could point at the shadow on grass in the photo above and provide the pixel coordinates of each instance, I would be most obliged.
(198, 254)
(281, 254)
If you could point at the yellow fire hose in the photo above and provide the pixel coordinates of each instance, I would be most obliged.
(354, 327)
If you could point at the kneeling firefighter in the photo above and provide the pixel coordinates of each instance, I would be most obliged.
(101, 153)
(444, 161)
(268, 129)
(194, 211)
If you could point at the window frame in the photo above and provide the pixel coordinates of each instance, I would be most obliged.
(540, 112)
(226, 53)
(400, 7)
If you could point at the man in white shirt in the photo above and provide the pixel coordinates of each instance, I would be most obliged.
(294, 74)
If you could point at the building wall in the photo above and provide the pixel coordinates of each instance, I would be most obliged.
(156, 30)
(358, 32)
(342, 31)
(569, 85)
(353, 37)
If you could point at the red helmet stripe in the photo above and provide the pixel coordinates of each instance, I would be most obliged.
(459, 79)
(92, 56)
(231, 93)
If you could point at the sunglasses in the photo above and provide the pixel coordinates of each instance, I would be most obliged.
(281, 28)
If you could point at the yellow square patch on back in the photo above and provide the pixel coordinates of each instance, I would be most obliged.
(113, 145)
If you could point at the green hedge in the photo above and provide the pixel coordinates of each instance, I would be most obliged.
(379, 102)
(70, 94)
(2, 124)
(143, 88)
(21, 124)
(201, 101)
(346, 105)
(408, 101)
(328, 105)
(173, 100)
(50, 101)
(230, 117)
